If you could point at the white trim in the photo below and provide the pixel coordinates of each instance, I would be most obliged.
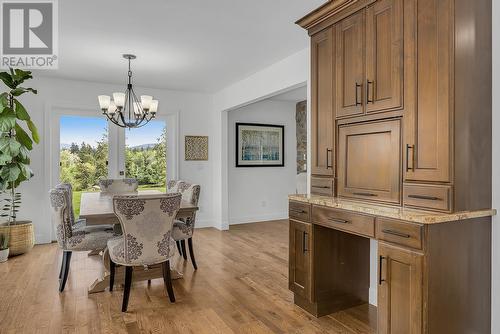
(258, 218)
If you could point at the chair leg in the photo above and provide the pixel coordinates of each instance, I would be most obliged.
(191, 253)
(183, 246)
(112, 268)
(65, 270)
(168, 280)
(179, 246)
(126, 290)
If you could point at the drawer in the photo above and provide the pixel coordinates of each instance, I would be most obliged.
(400, 232)
(427, 196)
(299, 211)
(344, 220)
(320, 186)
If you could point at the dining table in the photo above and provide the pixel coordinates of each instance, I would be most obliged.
(97, 209)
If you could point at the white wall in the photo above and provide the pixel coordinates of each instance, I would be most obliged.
(195, 118)
(495, 319)
(284, 75)
(260, 194)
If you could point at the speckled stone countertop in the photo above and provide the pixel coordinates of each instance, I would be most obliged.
(411, 215)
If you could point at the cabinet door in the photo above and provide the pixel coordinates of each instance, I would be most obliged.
(428, 43)
(300, 260)
(384, 56)
(350, 65)
(322, 117)
(369, 161)
(400, 294)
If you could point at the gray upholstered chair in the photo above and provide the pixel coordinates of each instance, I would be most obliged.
(184, 229)
(146, 222)
(73, 237)
(74, 222)
(118, 186)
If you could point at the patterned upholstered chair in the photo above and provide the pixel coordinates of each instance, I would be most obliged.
(73, 237)
(118, 186)
(183, 229)
(69, 189)
(146, 222)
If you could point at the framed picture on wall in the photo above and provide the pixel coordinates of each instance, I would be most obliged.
(260, 145)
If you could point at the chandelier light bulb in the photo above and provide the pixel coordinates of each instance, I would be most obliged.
(111, 108)
(146, 101)
(104, 101)
(153, 107)
(119, 99)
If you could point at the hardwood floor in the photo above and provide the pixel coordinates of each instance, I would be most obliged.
(240, 287)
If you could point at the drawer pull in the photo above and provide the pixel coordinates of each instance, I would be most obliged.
(365, 194)
(339, 221)
(430, 198)
(298, 211)
(321, 187)
(396, 233)
(328, 151)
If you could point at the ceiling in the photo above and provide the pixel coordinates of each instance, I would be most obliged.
(194, 45)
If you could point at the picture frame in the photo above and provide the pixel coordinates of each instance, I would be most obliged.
(260, 145)
(196, 148)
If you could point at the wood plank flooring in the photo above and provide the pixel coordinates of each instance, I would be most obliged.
(240, 287)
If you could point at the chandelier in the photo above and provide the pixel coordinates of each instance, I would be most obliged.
(125, 109)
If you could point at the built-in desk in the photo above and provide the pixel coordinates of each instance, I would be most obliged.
(434, 269)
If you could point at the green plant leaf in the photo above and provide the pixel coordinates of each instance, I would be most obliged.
(7, 80)
(23, 138)
(21, 112)
(34, 131)
(7, 121)
(19, 76)
(26, 172)
(10, 172)
(21, 90)
(4, 100)
(9, 146)
(5, 159)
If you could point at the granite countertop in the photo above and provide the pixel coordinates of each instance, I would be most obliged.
(411, 215)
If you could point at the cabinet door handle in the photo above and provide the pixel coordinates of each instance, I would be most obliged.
(305, 243)
(298, 211)
(429, 198)
(339, 221)
(380, 266)
(396, 233)
(358, 103)
(408, 168)
(365, 194)
(368, 85)
(321, 187)
(328, 151)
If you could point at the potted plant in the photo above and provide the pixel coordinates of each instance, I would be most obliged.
(15, 144)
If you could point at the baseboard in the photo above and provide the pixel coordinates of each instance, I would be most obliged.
(372, 296)
(257, 218)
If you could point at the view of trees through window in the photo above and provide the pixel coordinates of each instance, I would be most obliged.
(84, 154)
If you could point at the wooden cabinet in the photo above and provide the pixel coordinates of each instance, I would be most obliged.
(350, 65)
(376, 178)
(300, 276)
(384, 56)
(399, 291)
(427, 101)
(322, 116)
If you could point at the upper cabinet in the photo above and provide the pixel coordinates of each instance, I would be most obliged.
(350, 64)
(369, 60)
(322, 114)
(384, 56)
(429, 92)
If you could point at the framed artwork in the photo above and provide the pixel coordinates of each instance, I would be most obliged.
(195, 148)
(260, 145)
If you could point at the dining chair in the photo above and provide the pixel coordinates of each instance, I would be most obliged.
(69, 189)
(146, 221)
(118, 186)
(73, 237)
(184, 228)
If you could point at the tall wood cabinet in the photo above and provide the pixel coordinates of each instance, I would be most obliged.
(401, 116)
(404, 60)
